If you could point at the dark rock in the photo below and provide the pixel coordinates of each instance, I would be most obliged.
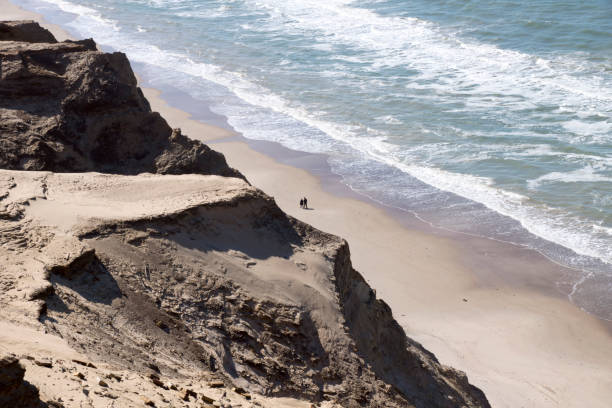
(114, 376)
(25, 30)
(66, 107)
(71, 265)
(185, 393)
(157, 381)
(45, 362)
(162, 326)
(207, 399)
(147, 401)
(14, 390)
(216, 384)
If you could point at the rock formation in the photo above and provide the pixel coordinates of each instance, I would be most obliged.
(28, 31)
(178, 277)
(68, 107)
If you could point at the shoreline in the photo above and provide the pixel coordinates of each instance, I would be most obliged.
(170, 102)
(517, 338)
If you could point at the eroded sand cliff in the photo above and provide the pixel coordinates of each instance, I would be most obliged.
(176, 286)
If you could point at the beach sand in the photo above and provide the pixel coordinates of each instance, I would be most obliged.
(488, 308)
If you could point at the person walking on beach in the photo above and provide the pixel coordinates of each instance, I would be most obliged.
(305, 203)
(302, 203)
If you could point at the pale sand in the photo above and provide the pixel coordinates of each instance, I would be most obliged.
(517, 339)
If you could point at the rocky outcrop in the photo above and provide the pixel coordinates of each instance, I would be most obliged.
(27, 31)
(68, 107)
(14, 390)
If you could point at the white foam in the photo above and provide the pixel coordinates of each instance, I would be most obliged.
(549, 223)
(518, 80)
(389, 119)
(520, 151)
(94, 18)
(584, 128)
(604, 230)
(587, 174)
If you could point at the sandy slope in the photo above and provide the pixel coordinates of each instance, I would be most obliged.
(66, 378)
(83, 199)
(57, 205)
(60, 372)
(183, 279)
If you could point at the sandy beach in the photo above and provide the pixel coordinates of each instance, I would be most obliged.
(488, 308)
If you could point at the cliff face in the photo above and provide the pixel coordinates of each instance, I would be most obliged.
(68, 107)
(204, 274)
(180, 277)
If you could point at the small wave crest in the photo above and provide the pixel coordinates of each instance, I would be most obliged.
(587, 174)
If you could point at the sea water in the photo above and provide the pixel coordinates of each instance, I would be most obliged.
(491, 118)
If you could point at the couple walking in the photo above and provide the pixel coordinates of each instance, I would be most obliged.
(304, 203)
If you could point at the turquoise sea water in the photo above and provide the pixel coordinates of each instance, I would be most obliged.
(486, 117)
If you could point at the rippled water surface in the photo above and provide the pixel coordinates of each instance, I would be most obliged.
(486, 117)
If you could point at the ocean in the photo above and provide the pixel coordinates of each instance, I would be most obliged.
(490, 118)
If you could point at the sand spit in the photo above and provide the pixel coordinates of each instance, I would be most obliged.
(172, 289)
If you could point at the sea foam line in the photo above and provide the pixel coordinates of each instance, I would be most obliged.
(411, 42)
